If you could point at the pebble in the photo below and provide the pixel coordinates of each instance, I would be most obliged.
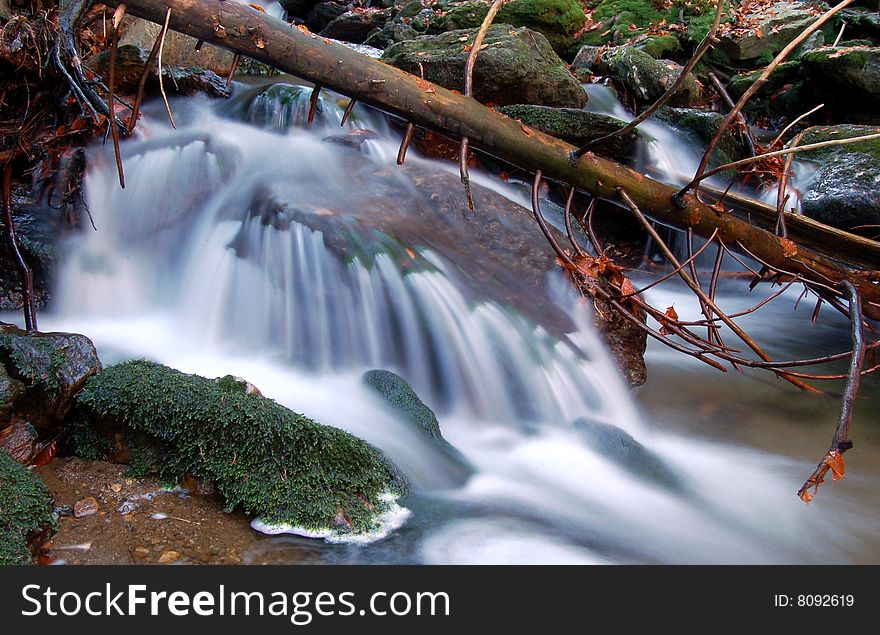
(85, 507)
(168, 556)
(140, 553)
(116, 487)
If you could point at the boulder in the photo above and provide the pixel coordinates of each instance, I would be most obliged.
(516, 66)
(786, 95)
(263, 458)
(849, 76)
(643, 77)
(557, 20)
(843, 191)
(297, 8)
(356, 26)
(179, 49)
(578, 127)
(322, 14)
(25, 511)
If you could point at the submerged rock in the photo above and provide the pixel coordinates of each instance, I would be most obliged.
(25, 511)
(516, 66)
(620, 447)
(578, 127)
(40, 374)
(264, 458)
(843, 191)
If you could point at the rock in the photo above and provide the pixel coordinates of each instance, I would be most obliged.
(356, 26)
(772, 31)
(179, 49)
(298, 8)
(578, 127)
(643, 77)
(516, 66)
(168, 556)
(701, 126)
(25, 511)
(557, 20)
(20, 441)
(843, 192)
(399, 394)
(786, 95)
(140, 553)
(41, 374)
(263, 458)
(659, 46)
(186, 80)
(323, 14)
(86, 507)
(863, 22)
(392, 32)
(849, 76)
(620, 447)
(116, 488)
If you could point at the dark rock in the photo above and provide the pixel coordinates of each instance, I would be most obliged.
(772, 32)
(643, 77)
(353, 139)
(356, 26)
(323, 14)
(843, 192)
(53, 367)
(516, 66)
(786, 95)
(557, 20)
(849, 76)
(620, 447)
(399, 394)
(578, 127)
(298, 8)
(392, 32)
(863, 22)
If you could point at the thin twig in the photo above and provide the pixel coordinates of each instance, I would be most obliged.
(839, 34)
(674, 272)
(236, 59)
(161, 83)
(755, 87)
(704, 46)
(136, 108)
(463, 171)
(725, 96)
(404, 143)
(111, 81)
(569, 230)
(351, 104)
(840, 443)
(794, 123)
(313, 103)
(27, 281)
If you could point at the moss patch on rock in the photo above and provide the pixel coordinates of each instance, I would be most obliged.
(25, 510)
(264, 458)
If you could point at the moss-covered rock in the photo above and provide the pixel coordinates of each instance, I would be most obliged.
(25, 510)
(578, 127)
(643, 77)
(356, 26)
(659, 46)
(40, 373)
(399, 394)
(787, 93)
(843, 191)
(702, 126)
(557, 20)
(850, 76)
(516, 66)
(264, 458)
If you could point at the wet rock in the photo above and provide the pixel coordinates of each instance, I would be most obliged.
(557, 20)
(772, 32)
(85, 507)
(849, 76)
(621, 448)
(25, 512)
(323, 14)
(352, 139)
(186, 80)
(356, 26)
(843, 191)
(701, 126)
(516, 66)
(179, 49)
(643, 77)
(578, 127)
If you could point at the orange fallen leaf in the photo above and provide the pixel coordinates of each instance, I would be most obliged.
(834, 460)
(257, 7)
(529, 132)
(789, 248)
(626, 287)
(670, 317)
(425, 85)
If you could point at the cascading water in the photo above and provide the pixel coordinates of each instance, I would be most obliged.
(260, 250)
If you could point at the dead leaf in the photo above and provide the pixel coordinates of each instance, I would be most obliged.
(257, 7)
(789, 248)
(834, 460)
(425, 85)
(670, 317)
(626, 287)
(528, 131)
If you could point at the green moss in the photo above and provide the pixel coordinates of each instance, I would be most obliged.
(37, 360)
(25, 509)
(660, 46)
(400, 395)
(264, 458)
(818, 134)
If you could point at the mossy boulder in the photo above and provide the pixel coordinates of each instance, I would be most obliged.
(863, 22)
(787, 93)
(643, 77)
(516, 66)
(40, 374)
(659, 46)
(578, 127)
(849, 76)
(843, 191)
(557, 20)
(356, 26)
(25, 511)
(702, 126)
(265, 459)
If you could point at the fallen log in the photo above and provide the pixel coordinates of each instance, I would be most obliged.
(333, 66)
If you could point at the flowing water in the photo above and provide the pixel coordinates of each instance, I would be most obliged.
(246, 244)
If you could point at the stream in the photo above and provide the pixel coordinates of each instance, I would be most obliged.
(244, 243)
